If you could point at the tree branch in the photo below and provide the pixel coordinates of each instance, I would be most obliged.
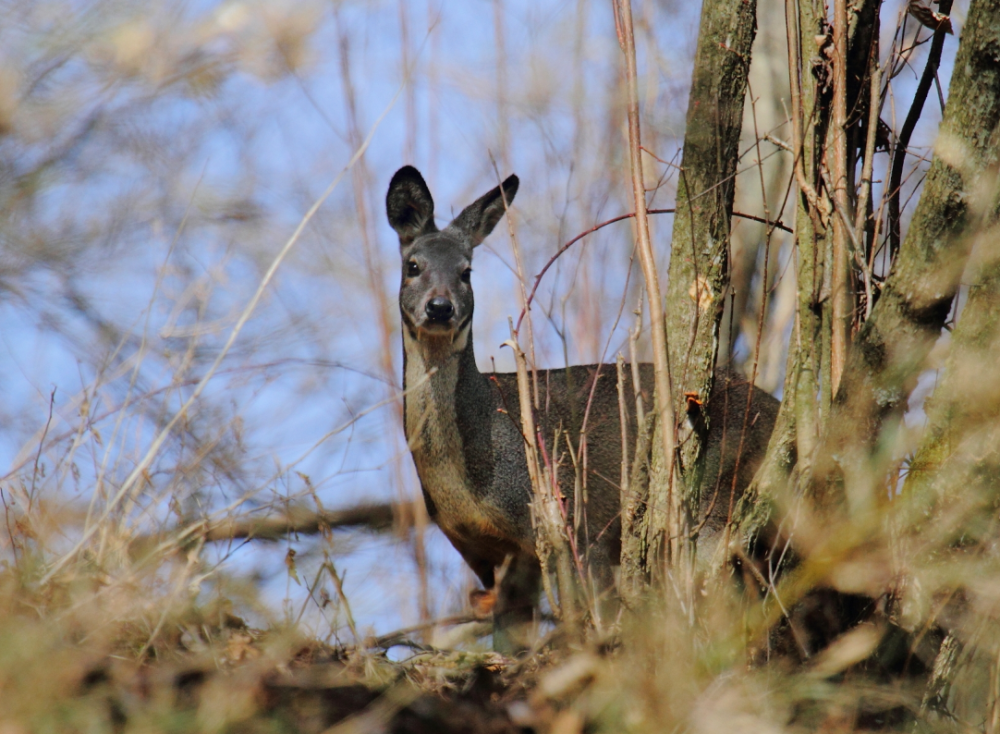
(373, 517)
(661, 367)
(910, 123)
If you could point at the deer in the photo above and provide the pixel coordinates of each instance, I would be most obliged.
(462, 426)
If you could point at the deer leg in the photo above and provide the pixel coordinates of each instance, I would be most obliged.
(601, 580)
(517, 599)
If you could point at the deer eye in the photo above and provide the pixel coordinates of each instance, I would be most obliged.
(467, 275)
(412, 269)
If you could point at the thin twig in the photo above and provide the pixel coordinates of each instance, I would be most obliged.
(864, 196)
(662, 393)
(10, 532)
(393, 638)
(794, 59)
(623, 423)
(38, 456)
(551, 261)
(338, 583)
(909, 124)
(840, 295)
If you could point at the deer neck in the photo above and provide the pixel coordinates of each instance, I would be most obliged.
(449, 409)
(439, 377)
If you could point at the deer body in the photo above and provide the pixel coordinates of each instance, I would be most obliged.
(463, 427)
(458, 448)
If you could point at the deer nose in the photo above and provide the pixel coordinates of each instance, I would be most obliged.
(440, 309)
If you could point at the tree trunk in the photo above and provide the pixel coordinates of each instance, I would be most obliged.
(808, 375)
(699, 257)
(951, 487)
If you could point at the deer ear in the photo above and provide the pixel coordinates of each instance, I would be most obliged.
(479, 218)
(409, 205)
